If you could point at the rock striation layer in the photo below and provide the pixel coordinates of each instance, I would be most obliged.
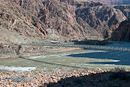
(31, 20)
(70, 19)
(103, 18)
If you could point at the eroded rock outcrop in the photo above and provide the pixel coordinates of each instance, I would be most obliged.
(125, 9)
(70, 19)
(103, 18)
(59, 15)
(17, 26)
(123, 32)
(27, 21)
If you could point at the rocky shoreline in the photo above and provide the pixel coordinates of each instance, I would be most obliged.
(71, 78)
(17, 51)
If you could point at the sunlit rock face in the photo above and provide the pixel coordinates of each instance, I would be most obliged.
(27, 21)
(68, 19)
(75, 20)
(125, 9)
(103, 18)
(60, 16)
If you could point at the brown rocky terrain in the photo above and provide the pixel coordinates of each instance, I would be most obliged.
(60, 17)
(103, 18)
(17, 26)
(125, 9)
(123, 32)
(72, 78)
(75, 20)
(27, 21)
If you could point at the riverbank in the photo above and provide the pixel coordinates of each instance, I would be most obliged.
(36, 51)
(73, 78)
(16, 51)
(77, 59)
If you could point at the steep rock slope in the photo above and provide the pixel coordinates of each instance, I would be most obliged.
(17, 26)
(123, 32)
(103, 18)
(75, 20)
(60, 17)
(125, 9)
(69, 19)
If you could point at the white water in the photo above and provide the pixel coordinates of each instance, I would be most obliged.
(17, 69)
(46, 56)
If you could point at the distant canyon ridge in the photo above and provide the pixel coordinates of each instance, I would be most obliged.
(27, 21)
(113, 2)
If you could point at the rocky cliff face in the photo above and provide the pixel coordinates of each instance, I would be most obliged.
(125, 9)
(27, 21)
(75, 20)
(59, 15)
(17, 26)
(59, 20)
(123, 32)
(103, 18)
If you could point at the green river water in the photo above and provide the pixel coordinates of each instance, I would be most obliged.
(72, 60)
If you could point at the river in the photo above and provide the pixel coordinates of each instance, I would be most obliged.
(77, 59)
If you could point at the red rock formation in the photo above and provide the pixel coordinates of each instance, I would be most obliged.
(17, 25)
(123, 32)
(73, 20)
(59, 16)
(103, 18)
(125, 9)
